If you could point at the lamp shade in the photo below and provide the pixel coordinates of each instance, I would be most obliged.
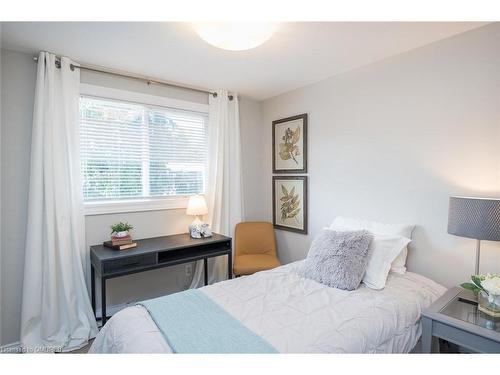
(477, 218)
(197, 206)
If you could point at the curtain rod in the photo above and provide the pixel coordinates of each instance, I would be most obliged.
(148, 80)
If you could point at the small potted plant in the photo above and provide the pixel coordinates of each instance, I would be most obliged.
(121, 229)
(487, 289)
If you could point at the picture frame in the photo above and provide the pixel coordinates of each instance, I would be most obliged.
(290, 203)
(290, 144)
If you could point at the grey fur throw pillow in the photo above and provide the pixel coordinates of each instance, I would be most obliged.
(337, 259)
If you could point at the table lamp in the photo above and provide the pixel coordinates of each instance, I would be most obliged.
(197, 207)
(477, 218)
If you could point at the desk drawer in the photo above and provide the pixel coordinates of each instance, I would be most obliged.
(129, 263)
(203, 249)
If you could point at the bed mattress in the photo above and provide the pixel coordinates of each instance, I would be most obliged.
(296, 315)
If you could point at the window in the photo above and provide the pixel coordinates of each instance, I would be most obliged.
(133, 151)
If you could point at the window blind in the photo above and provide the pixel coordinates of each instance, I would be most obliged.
(131, 150)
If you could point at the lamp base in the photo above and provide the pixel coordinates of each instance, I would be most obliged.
(199, 229)
(478, 254)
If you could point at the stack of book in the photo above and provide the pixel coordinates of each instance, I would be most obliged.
(120, 243)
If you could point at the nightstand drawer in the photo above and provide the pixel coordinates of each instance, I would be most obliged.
(124, 264)
(463, 338)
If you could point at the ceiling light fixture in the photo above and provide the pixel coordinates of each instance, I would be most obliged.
(235, 36)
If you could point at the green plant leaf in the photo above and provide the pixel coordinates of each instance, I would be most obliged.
(477, 281)
(121, 227)
(470, 286)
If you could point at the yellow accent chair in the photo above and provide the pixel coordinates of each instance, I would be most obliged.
(254, 248)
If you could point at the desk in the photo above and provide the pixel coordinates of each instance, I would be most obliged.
(153, 253)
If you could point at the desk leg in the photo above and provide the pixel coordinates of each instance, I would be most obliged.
(103, 301)
(230, 265)
(92, 287)
(205, 270)
(426, 335)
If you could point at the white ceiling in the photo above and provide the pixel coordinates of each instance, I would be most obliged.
(298, 54)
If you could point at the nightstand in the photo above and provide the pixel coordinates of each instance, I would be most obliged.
(454, 317)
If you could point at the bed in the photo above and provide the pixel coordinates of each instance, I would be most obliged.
(296, 315)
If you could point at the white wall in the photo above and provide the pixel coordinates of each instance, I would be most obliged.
(18, 86)
(393, 140)
(253, 165)
(19, 71)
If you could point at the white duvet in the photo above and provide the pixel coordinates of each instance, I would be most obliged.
(296, 315)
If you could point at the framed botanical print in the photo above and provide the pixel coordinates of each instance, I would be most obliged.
(290, 203)
(290, 144)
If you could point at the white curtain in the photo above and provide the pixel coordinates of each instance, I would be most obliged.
(224, 191)
(56, 310)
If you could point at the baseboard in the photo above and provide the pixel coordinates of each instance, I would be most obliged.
(15, 347)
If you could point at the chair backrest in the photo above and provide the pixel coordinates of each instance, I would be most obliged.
(254, 237)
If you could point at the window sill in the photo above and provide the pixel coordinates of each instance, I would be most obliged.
(136, 205)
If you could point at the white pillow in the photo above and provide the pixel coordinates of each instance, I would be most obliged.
(382, 252)
(404, 230)
(399, 264)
